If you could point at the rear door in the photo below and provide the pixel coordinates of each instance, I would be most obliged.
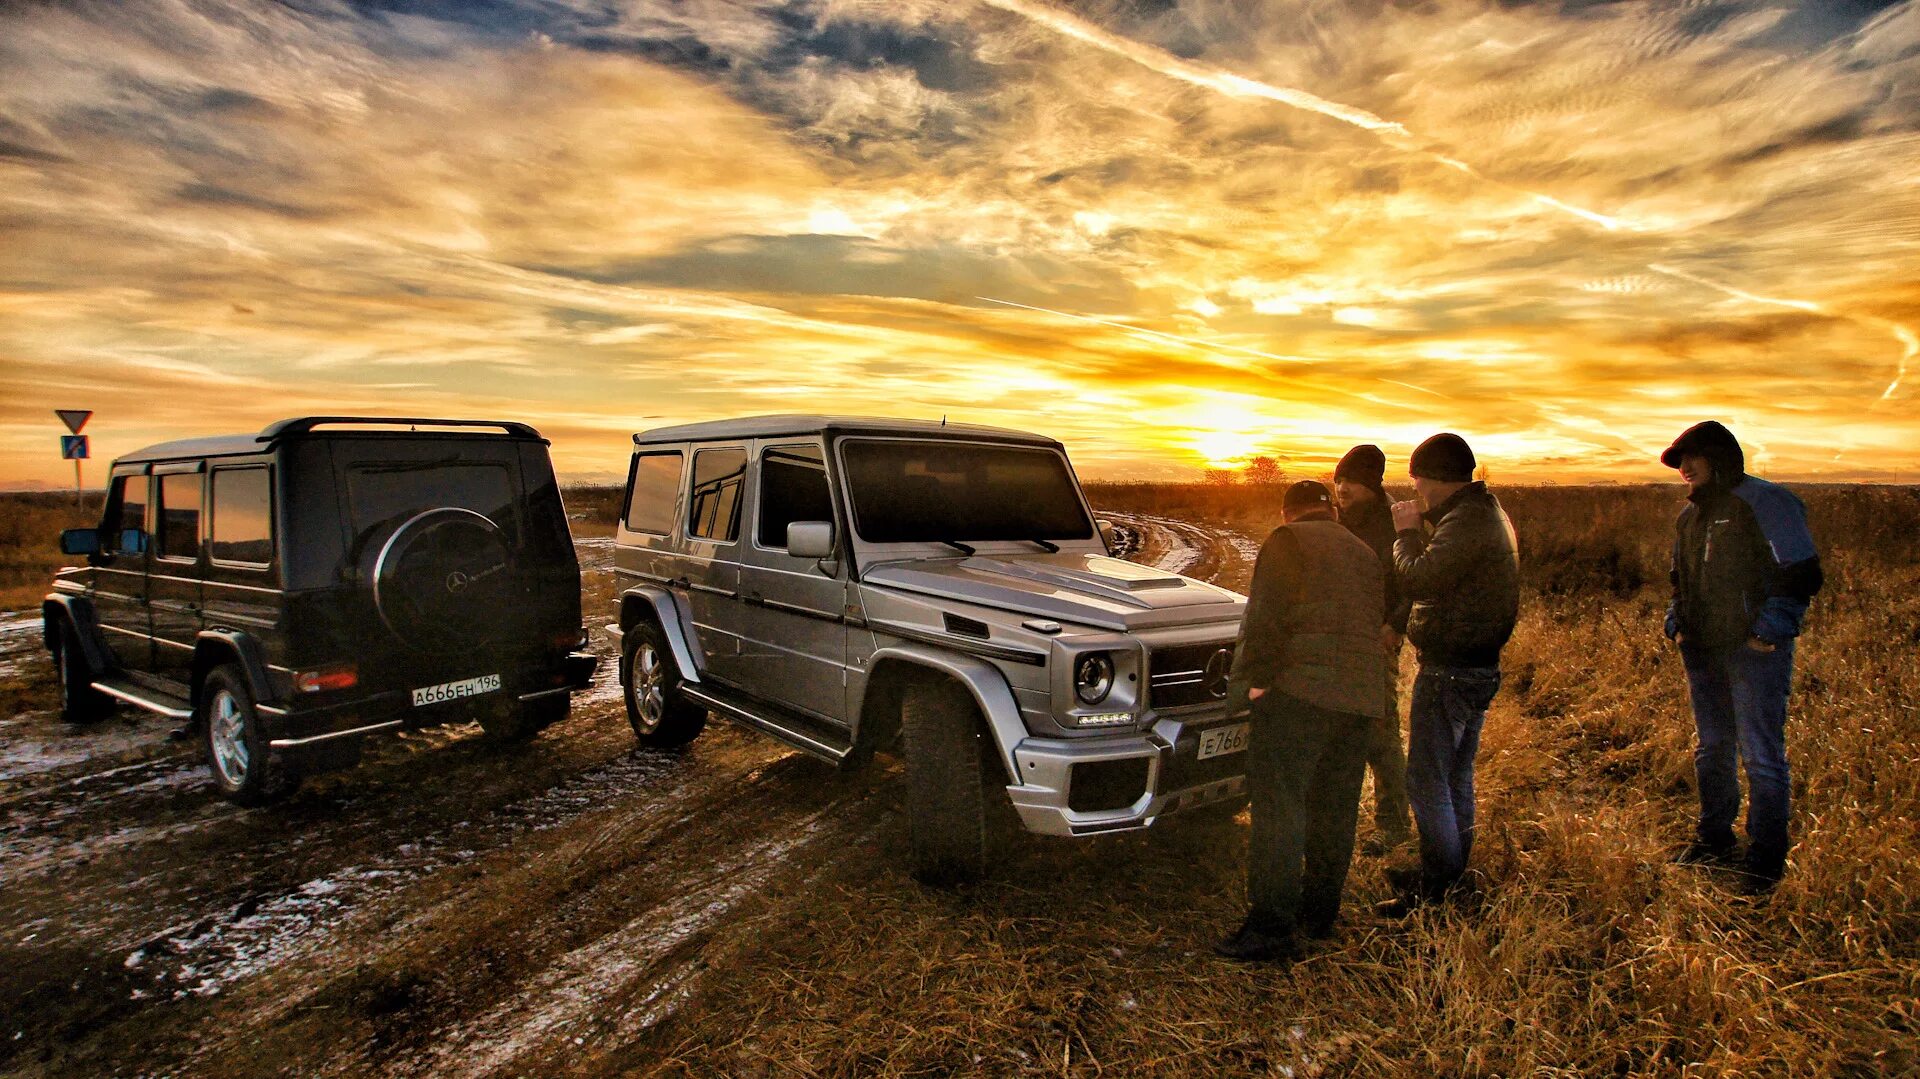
(178, 560)
(242, 589)
(794, 635)
(710, 581)
(120, 581)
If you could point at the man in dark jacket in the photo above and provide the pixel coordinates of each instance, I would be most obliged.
(1744, 568)
(1309, 661)
(1463, 582)
(1357, 486)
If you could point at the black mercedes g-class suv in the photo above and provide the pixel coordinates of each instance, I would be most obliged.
(288, 593)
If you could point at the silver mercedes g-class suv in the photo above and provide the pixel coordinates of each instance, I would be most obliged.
(848, 585)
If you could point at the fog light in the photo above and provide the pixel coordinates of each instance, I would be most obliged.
(338, 676)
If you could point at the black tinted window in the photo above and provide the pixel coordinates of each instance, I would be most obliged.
(130, 496)
(179, 516)
(793, 487)
(919, 491)
(655, 492)
(242, 515)
(390, 492)
(713, 511)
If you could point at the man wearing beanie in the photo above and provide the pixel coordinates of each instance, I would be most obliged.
(1744, 568)
(1463, 583)
(1363, 509)
(1310, 663)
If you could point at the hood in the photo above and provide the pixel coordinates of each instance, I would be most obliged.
(1713, 441)
(1088, 589)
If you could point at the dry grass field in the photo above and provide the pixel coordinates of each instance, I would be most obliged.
(1583, 952)
(734, 910)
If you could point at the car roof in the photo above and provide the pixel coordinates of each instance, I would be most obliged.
(813, 424)
(308, 427)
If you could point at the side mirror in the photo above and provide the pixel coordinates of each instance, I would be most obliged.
(132, 541)
(80, 541)
(810, 539)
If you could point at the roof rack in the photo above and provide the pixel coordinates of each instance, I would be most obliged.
(303, 424)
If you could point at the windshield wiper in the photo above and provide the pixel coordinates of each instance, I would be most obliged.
(1046, 545)
(957, 545)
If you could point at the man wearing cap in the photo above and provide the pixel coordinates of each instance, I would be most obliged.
(1463, 584)
(1310, 664)
(1744, 569)
(1357, 486)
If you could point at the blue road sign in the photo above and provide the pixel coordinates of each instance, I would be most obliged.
(73, 447)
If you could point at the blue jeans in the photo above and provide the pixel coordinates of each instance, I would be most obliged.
(1740, 712)
(1449, 707)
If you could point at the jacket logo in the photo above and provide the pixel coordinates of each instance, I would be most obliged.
(1219, 672)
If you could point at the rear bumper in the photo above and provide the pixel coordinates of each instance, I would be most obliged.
(1174, 781)
(301, 724)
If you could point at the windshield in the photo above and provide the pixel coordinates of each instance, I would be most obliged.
(928, 491)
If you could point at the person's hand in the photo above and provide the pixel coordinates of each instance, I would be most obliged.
(1406, 515)
(1759, 645)
(1389, 640)
(1255, 694)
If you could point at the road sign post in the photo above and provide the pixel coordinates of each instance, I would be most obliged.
(74, 447)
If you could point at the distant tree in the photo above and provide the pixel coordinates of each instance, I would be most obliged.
(1484, 473)
(1223, 477)
(1264, 470)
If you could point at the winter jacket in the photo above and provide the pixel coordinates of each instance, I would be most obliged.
(1372, 521)
(1744, 565)
(1312, 627)
(1463, 581)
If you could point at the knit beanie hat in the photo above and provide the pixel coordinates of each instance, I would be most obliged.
(1713, 441)
(1307, 495)
(1445, 457)
(1364, 465)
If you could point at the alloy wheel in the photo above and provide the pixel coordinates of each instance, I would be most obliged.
(227, 727)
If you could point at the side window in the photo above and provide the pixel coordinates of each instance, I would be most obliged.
(713, 511)
(129, 497)
(655, 492)
(793, 487)
(242, 515)
(179, 516)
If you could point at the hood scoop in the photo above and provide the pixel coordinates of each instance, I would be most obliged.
(1080, 571)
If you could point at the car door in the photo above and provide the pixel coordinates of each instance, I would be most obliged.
(793, 641)
(120, 577)
(241, 590)
(716, 489)
(178, 559)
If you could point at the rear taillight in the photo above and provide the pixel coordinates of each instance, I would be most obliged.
(337, 676)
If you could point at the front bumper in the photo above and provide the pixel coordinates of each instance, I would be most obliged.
(299, 724)
(1175, 779)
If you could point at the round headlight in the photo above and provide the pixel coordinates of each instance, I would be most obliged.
(1093, 677)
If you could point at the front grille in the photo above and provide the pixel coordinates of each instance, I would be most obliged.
(1178, 675)
(1097, 786)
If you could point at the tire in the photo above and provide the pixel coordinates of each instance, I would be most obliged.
(79, 702)
(660, 717)
(521, 721)
(949, 759)
(242, 765)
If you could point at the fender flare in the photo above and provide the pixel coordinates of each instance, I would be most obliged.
(982, 680)
(245, 648)
(674, 621)
(79, 611)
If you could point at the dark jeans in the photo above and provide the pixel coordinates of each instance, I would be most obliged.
(1387, 760)
(1740, 712)
(1304, 767)
(1449, 707)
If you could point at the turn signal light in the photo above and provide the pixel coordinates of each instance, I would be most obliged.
(339, 676)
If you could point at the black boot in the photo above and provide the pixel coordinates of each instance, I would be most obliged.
(1701, 853)
(1252, 944)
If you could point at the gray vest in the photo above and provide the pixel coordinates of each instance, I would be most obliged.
(1333, 656)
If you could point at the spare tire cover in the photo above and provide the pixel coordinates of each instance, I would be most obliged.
(442, 581)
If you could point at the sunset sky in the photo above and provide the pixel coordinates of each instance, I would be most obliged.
(1171, 234)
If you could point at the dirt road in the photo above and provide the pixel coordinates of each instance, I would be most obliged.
(445, 908)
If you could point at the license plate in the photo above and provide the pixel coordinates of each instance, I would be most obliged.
(1221, 741)
(453, 691)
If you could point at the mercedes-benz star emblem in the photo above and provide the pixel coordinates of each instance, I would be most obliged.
(1219, 672)
(457, 582)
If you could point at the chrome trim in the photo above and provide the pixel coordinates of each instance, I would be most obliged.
(539, 693)
(133, 698)
(711, 590)
(290, 743)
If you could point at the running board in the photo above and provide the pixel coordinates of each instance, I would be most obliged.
(746, 717)
(171, 707)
